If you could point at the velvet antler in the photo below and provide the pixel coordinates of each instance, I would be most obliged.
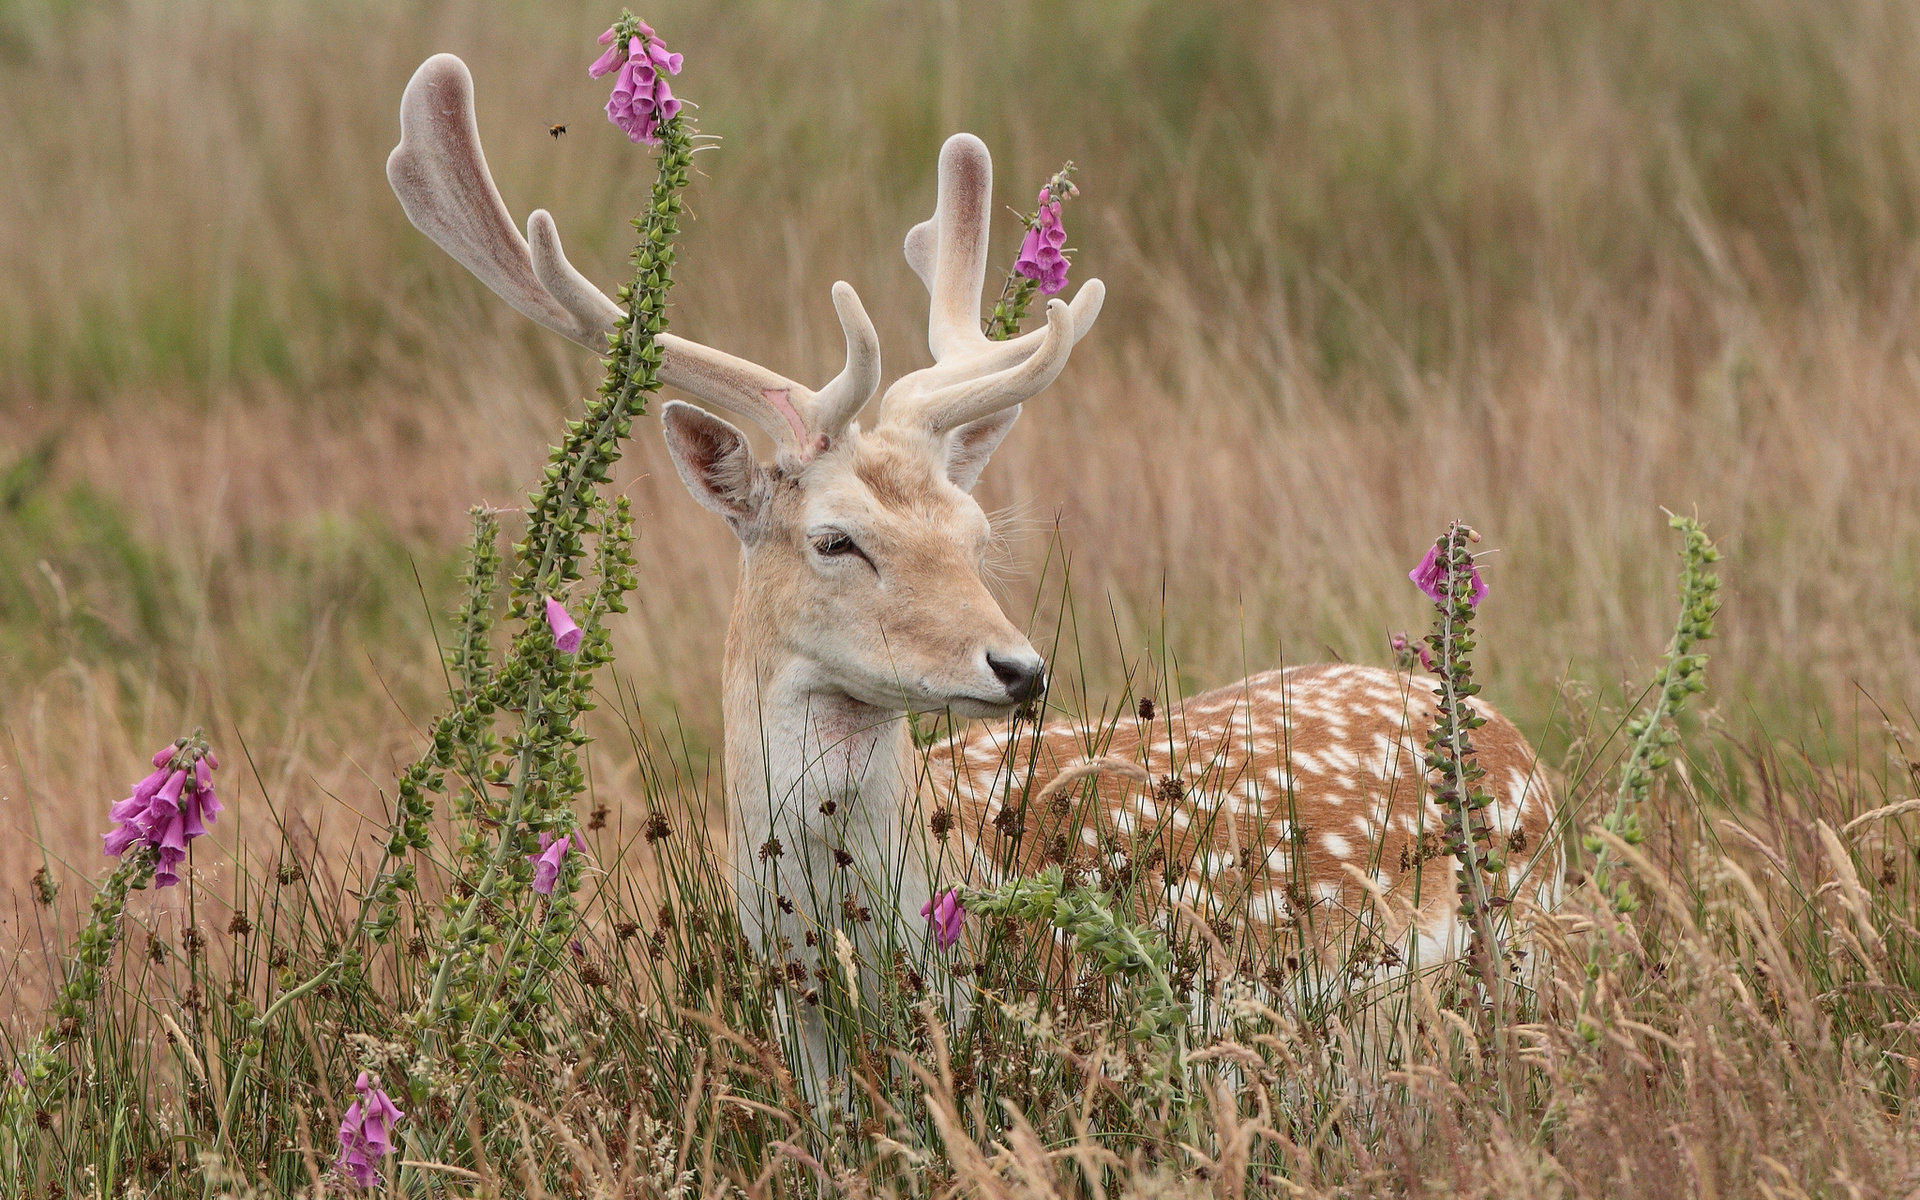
(971, 376)
(441, 177)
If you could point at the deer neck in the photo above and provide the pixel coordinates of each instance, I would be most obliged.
(815, 770)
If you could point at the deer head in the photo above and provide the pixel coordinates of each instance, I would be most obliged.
(863, 550)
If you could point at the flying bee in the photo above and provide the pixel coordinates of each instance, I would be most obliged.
(557, 130)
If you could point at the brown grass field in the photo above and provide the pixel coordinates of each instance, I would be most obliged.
(1548, 268)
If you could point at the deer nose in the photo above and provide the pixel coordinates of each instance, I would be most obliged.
(1020, 674)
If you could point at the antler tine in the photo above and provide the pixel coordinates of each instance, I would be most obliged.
(835, 404)
(777, 404)
(590, 306)
(954, 405)
(441, 177)
(1084, 309)
(949, 251)
(971, 376)
(746, 389)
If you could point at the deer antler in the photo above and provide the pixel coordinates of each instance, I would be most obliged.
(441, 177)
(971, 376)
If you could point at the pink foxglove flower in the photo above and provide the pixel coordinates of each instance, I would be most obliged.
(167, 810)
(946, 915)
(1041, 257)
(1431, 577)
(566, 635)
(609, 60)
(1406, 651)
(641, 101)
(546, 864)
(366, 1135)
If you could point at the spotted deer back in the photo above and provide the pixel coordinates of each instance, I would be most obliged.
(1269, 802)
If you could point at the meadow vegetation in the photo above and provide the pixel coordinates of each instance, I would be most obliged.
(1372, 267)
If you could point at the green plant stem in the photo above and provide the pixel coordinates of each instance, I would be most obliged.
(581, 458)
(1450, 754)
(266, 1019)
(557, 516)
(1460, 753)
(1682, 673)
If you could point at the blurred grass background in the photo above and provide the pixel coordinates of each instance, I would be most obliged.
(1544, 266)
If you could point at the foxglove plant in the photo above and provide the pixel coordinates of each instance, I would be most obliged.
(1407, 653)
(566, 634)
(948, 915)
(1448, 577)
(1114, 945)
(1042, 262)
(168, 809)
(546, 864)
(366, 1132)
(1650, 737)
(489, 958)
(1041, 258)
(1650, 734)
(1432, 575)
(642, 101)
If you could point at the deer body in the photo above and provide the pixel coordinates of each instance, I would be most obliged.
(1284, 803)
(1287, 807)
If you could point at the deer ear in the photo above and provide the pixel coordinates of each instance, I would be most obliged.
(716, 463)
(971, 445)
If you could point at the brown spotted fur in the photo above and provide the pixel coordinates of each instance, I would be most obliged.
(1223, 832)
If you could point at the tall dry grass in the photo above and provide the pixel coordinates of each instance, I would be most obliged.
(1372, 266)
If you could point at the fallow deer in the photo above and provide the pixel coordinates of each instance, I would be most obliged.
(1293, 799)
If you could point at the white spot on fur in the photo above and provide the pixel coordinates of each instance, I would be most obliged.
(1516, 788)
(1268, 907)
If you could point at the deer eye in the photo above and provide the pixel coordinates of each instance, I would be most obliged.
(834, 545)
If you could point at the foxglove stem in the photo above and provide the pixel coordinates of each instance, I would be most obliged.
(1650, 735)
(156, 823)
(552, 693)
(1450, 753)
